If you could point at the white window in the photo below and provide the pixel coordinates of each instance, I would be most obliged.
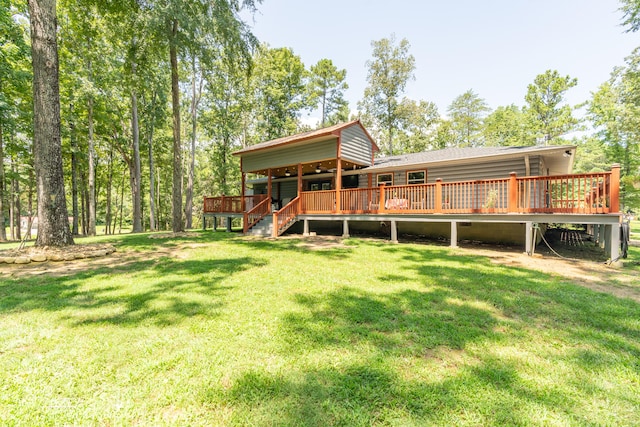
(384, 178)
(416, 177)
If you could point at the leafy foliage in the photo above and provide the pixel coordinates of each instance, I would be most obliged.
(466, 113)
(550, 119)
(389, 72)
(615, 112)
(326, 86)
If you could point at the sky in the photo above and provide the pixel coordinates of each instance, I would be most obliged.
(494, 47)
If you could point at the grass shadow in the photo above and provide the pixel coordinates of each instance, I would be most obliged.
(134, 296)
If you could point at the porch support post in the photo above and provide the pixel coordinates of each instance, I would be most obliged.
(269, 186)
(299, 178)
(528, 240)
(215, 223)
(513, 193)
(229, 224)
(607, 240)
(338, 174)
(244, 202)
(345, 228)
(438, 201)
(601, 236)
(204, 222)
(615, 189)
(614, 242)
(454, 234)
(394, 232)
(305, 230)
(242, 184)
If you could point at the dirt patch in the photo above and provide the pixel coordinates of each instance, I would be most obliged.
(318, 243)
(594, 275)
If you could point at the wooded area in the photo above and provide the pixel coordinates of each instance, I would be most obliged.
(155, 97)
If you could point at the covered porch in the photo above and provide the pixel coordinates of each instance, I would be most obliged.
(577, 198)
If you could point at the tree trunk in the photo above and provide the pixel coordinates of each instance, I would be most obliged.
(176, 197)
(12, 204)
(135, 167)
(195, 100)
(74, 176)
(30, 204)
(152, 204)
(18, 206)
(53, 219)
(3, 230)
(91, 196)
(83, 211)
(107, 228)
(121, 202)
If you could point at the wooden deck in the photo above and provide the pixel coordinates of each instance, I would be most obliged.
(583, 194)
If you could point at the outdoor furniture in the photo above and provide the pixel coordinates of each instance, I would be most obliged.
(397, 204)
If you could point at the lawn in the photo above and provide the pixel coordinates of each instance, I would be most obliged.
(216, 329)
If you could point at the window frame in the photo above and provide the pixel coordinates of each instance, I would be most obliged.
(424, 178)
(378, 183)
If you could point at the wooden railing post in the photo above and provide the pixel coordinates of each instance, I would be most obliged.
(381, 207)
(614, 198)
(512, 206)
(245, 222)
(275, 225)
(438, 200)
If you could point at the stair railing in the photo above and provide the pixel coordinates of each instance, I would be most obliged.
(254, 215)
(283, 218)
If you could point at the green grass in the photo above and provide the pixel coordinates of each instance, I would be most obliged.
(221, 330)
(635, 230)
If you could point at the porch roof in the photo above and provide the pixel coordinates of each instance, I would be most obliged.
(559, 158)
(313, 135)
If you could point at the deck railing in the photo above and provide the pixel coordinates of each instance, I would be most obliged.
(254, 215)
(232, 204)
(283, 218)
(592, 193)
(318, 201)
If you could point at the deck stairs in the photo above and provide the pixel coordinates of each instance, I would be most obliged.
(264, 227)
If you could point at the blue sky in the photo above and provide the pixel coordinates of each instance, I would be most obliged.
(495, 47)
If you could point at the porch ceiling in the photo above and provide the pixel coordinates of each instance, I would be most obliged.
(327, 165)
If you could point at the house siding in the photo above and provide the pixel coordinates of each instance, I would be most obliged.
(288, 189)
(483, 170)
(289, 156)
(356, 147)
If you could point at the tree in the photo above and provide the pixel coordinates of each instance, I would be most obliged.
(326, 87)
(15, 100)
(631, 17)
(507, 126)
(466, 113)
(417, 129)
(389, 71)
(53, 222)
(184, 22)
(197, 82)
(280, 91)
(615, 114)
(550, 119)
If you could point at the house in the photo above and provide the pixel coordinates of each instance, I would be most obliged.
(331, 176)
